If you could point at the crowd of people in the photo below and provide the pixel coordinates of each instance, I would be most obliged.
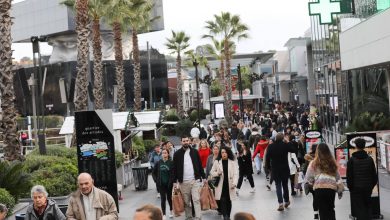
(223, 157)
(272, 143)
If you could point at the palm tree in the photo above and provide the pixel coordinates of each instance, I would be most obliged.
(8, 126)
(178, 43)
(217, 51)
(200, 59)
(82, 30)
(228, 27)
(116, 13)
(138, 17)
(96, 9)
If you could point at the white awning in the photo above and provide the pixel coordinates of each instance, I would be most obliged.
(169, 122)
(147, 121)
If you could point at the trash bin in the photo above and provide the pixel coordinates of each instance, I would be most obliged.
(140, 175)
(63, 208)
(20, 216)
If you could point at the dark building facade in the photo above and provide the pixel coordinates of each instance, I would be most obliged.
(54, 72)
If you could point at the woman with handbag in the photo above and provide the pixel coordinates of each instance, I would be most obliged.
(323, 175)
(226, 169)
(163, 172)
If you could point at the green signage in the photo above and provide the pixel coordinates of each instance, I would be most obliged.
(325, 9)
(382, 4)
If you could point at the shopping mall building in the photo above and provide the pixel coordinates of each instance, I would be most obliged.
(351, 63)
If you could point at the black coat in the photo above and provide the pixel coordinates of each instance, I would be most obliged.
(361, 172)
(178, 165)
(277, 159)
(245, 164)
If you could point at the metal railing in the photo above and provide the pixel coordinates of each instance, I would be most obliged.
(128, 171)
(332, 137)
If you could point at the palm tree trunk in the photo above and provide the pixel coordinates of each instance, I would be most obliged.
(119, 67)
(97, 65)
(8, 126)
(222, 77)
(228, 81)
(137, 72)
(82, 30)
(180, 109)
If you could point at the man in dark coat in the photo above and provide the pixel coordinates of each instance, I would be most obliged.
(361, 179)
(188, 175)
(277, 159)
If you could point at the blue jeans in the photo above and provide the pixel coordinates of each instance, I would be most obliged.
(258, 162)
(234, 145)
(282, 195)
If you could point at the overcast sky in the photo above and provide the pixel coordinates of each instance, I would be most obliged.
(271, 23)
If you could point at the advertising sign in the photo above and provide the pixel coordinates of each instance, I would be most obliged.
(219, 110)
(371, 149)
(96, 150)
(312, 137)
(388, 157)
(341, 156)
(383, 155)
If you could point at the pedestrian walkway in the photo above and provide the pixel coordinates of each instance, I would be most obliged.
(262, 204)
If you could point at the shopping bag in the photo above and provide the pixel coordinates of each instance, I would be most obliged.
(296, 178)
(177, 201)
(213, 202)
(301, 177)
(205, 197)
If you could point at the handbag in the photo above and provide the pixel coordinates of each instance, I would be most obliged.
(177, 201)
(215, 180)
(213, 202)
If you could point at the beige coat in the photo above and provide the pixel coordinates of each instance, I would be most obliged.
(102, 201)
(233, 178)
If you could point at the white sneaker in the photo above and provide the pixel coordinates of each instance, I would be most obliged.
(253, 190)
(170, 214)
(158, 195)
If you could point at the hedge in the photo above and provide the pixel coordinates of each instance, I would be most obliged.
(57, 170)
(7, 199)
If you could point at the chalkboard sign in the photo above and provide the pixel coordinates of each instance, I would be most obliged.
(96, 150)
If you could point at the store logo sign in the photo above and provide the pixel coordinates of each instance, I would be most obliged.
(369, 141)
(325, 9)
(313, 134)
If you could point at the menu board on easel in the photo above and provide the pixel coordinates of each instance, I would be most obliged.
(312, 137)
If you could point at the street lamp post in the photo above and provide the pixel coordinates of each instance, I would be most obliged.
(240, 91)
(195, 63)
(38, 72)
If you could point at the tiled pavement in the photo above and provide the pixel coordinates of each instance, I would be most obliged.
(262, 204)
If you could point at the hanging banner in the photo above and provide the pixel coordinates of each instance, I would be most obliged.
(96, 150)
(312, 137)
(371, 149)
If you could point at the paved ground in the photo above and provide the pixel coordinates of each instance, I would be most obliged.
(262, 204)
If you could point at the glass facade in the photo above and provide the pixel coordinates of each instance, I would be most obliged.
(337, 92)
(52, 98)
